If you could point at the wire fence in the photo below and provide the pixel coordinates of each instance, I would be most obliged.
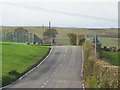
(17, 37)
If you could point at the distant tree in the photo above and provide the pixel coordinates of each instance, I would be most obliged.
(81, 39)
(72, 38)
(50, 34)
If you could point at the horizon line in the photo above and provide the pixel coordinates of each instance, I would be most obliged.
(48, 26)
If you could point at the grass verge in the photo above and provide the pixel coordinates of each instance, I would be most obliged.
(98, 73)
(18, 57)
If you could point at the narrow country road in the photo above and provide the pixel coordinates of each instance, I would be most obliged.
(61, 69)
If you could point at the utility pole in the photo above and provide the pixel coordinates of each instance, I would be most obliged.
(95, 46)
(51, 35)
(43, 31)
(49, 25)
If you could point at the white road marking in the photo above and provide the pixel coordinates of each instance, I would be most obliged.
(82, 69)
(61, 81)
(5, 86)
(31, 69)
(45, 83)
(66, 51)
(64, 81)
(42, 86)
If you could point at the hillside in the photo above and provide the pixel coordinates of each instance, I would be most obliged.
(105, 35)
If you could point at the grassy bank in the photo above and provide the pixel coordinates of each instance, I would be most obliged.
(18, 57)
(111, 57)
(98, 73)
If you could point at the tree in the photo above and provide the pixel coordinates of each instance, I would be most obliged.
(72, 38)
(49, 35)
(76, 39)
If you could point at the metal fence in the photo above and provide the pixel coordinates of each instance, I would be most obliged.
(17, 37)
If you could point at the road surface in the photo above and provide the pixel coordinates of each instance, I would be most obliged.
(61, 69)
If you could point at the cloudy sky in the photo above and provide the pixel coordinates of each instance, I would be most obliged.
(62, 13)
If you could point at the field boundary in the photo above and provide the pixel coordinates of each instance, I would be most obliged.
(29, 69)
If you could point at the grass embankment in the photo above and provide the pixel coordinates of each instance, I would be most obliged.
(98, 73)
(19, 57)
(111, 57)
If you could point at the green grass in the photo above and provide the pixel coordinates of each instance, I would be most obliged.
(109, 42)
(18, 57)
(92, 82)
(111, 57)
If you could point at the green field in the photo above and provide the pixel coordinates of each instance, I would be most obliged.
(111, 57)
(62, 37)
(18, 57)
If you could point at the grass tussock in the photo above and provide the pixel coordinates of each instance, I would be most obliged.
(98, 73)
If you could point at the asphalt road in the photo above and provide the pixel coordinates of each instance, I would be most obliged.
(61, 69)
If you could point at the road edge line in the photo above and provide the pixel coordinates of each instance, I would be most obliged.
(11, 83)
(82, 69)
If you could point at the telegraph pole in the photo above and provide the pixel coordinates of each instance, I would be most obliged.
(49, 25)
(51, 35)
(43, 31)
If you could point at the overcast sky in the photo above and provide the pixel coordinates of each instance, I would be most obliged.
(62, 13)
